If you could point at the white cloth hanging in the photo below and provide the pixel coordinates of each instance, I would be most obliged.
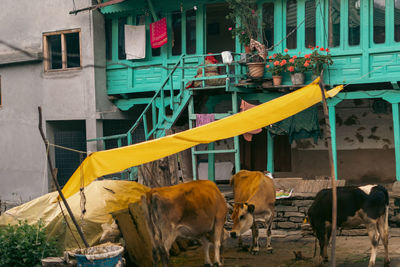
(226, 57)
(135, 41)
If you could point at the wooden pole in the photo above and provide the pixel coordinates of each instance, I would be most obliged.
(328, 138)
(56, 182)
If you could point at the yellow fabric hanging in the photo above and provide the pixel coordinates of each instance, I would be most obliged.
(115, 160)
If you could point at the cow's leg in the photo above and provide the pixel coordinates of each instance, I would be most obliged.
(218, 237)
(206, 246)
(383, 228)
(269, 217)
(326, 236)
(374, 237)
(255, 247)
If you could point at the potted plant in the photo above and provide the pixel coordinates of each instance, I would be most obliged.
(277, 65)
(320, 58)
(244, 15)
(240, 32)
(297, 66)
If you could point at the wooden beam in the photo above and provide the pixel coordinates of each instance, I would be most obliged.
(328, 138)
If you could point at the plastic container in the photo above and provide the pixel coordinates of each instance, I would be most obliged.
(99, 256)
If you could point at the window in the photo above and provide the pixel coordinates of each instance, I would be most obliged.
(379, 21)
(397, 20)
(121, 38)
(176, 34)
(108, 30)
(334, 23)
(268, 20)
(354, 22)
(291, 24)
(191, 32)
(62, 50)
(310, 23)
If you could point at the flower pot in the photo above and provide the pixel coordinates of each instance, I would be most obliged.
(256, 69)
(277, 80)
(247, 49)
(297, 78)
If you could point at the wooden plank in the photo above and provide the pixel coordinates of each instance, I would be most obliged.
(132, 225)
(63, 51)
(46, 58)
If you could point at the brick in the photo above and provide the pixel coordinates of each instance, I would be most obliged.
(294, 214)
(296, 219)
(303, 209)
(303, 202)
(287, 225)
(286, 208)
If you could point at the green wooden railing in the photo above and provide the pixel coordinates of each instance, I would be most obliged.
(173, 97)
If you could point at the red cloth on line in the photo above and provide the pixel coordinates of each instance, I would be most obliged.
(249, 135)
(158, 33)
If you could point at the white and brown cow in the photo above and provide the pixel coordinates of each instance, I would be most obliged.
(192, 210)
(254, 195)
(366, 205)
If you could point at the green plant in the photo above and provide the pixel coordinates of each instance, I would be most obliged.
(244, 15)
(298, 64)
(240, 32)
(25, 245)
(320, 57)
(277, 63)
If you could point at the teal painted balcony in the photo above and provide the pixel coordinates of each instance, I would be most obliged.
(363, 37)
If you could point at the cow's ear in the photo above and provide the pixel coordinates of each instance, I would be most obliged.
(250, 208)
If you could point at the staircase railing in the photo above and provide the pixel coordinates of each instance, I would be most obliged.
(158, 103)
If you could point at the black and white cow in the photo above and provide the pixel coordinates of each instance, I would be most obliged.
(366, 205)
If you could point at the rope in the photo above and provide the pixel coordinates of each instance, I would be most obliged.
(68, 225)
(82, 192)
(290, 33)
(67, 148)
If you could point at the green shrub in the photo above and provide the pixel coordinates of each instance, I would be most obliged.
(25, 245)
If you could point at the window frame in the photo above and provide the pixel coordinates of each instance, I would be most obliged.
(1, 103)
(62, 33)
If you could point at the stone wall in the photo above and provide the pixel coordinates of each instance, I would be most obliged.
(291, 212)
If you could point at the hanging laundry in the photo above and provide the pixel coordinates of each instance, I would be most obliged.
(202, 119)
(302, 125)
(158, 33)
(249, 135)
(135, 41)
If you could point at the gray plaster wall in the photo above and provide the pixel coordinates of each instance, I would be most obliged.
(63, 95)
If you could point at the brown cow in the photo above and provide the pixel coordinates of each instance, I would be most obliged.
(254, 195)
(192, 210)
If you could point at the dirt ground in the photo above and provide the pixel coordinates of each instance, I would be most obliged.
(350, 251)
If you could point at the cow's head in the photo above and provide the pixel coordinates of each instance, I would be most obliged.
(242, 217)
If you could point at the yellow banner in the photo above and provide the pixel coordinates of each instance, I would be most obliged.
(115, 160)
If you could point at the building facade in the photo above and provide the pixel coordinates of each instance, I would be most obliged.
(55, 60)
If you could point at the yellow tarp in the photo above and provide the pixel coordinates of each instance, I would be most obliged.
(115, 160)
(102, 198)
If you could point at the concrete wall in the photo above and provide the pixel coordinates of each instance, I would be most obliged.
(365, 145)
(63, 95)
